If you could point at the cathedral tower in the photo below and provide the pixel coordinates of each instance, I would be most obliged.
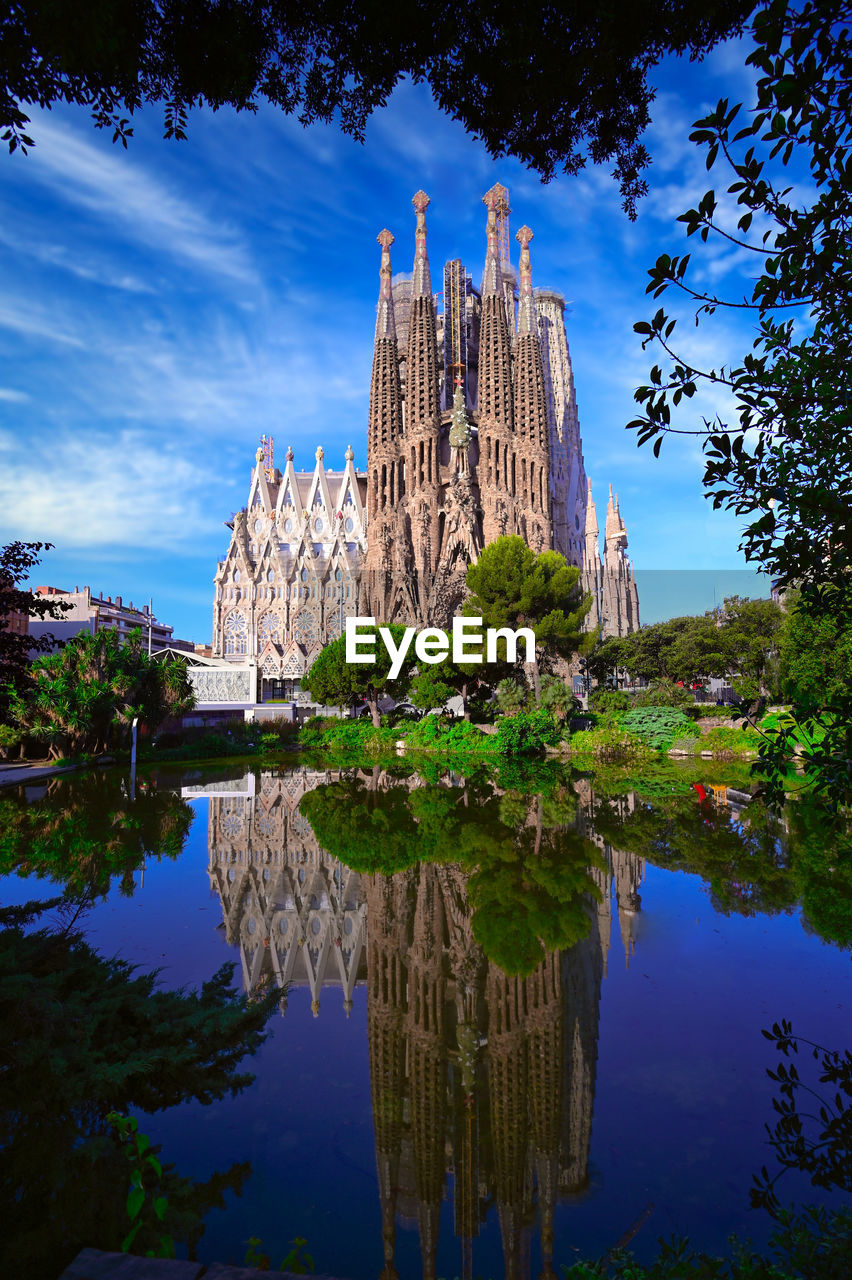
(532, 485)
(422, 404)
(497, 461)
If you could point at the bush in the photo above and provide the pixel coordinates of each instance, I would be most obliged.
(357, 737)
(665, 693)
(608, 740)
(512, 696)
(440, 733)
(609, 701)
(736, 741)
(658, 726)
(527, 733)
(9, 739)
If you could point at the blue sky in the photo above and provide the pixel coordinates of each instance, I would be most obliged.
(163, 306)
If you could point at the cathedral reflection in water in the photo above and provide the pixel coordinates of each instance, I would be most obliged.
(482, 1083)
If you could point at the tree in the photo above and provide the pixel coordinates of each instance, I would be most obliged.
(750, 632)
(590, 92)
(513, 587)
(815, 655)
(435, 684)
(16, 648)
(87, 695)
(782, 459)
(688, 649)
(338, 683)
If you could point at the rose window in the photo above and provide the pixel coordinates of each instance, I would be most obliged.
(304, 627)
(236, 634)
(269, 628)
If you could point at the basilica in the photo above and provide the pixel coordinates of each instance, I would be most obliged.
(472, 434)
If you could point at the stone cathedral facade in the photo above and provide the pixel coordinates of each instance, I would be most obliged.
(472, 434)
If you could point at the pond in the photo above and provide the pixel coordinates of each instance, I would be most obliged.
(514, 1018)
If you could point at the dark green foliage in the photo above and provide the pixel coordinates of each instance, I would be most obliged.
(782, 462)
(812, 1244)
(146, 1204)
(436, 733)
(528, 732)
(85, 831)
(80, 1036)
(297, 1261)
(750, 867)
(334, 682)
(84, 697)
(609, 701)
(821, 845)
(16, 650)
(658, 727)
(511, 586)
(353, 737)
(815, 654)
(331, 60)
(739, 641)
(665, 693)
(372, 831)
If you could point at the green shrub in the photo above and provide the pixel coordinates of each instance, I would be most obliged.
(690, 745)
(9, 739)
(355, 737)
(658, 726)
(608, 740)
(527, 733)
(434, 733)
(512, 696)
(609, 701)
(665, 693)
(735, 740)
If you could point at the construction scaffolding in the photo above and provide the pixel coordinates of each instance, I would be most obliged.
(268, 468)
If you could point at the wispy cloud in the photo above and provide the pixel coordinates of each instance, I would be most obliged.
(118, 491)
(120, 191)
(35, 322)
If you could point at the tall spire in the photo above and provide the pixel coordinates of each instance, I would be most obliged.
(495, 353)
(385, 423)
(530, 394)
(526, 303)
(422, 285)
(385, 323)
(422, 406)
(492, 276)
(591, 515)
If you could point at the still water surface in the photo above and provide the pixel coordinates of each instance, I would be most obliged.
(517, 1016)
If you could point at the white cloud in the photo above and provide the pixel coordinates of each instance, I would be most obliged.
(33, 322)
(120, 191)
(110, 492)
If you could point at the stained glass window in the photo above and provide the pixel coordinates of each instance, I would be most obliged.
(236, 634)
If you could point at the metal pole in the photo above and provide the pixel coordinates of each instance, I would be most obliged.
(150, 615)
(133, 758)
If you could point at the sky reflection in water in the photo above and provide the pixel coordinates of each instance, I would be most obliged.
(416, 1104)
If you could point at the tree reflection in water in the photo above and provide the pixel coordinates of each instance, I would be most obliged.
(480, 920)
